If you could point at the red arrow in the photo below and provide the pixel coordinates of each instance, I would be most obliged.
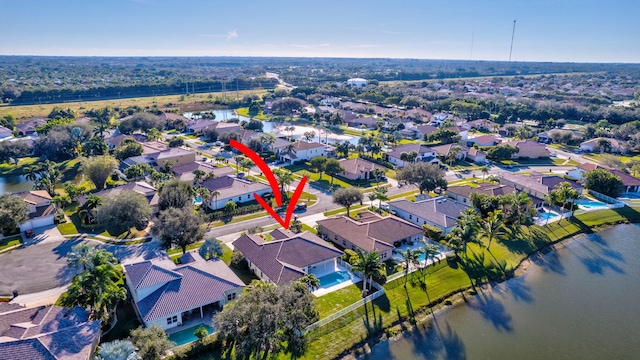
(263, 167)
(274, 186)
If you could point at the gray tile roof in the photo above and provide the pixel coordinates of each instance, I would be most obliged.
(73, 343)
(627, 179)
(145, 274)
(30, 349)
(194, 288)
(282, 260)
(356, 165)
(440, 211)
(489, 189)
(140, 187)
(420, 149)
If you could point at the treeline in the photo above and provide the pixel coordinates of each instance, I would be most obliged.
(29, 97)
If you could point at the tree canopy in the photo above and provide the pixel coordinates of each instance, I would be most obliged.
(98, 169)
(267, 319)
(176, 193)
(604, 182)
(13, 212)
(121, 211)
(152, 342)
(347, 197)
(424, 175)
(179, 227)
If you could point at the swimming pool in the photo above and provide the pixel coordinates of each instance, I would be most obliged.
(547, 215)
(186, 336)
(590, 204)
(334, 278)
(423, 256)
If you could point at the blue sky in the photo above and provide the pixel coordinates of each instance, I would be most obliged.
(546, 30)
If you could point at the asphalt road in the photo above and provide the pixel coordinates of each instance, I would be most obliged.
(42, 264)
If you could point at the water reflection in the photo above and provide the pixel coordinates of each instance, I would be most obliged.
(12, 184)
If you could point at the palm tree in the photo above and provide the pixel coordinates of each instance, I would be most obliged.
(214, 194)
(491, 227)
(81, 255)
(368, 264)
(31, 172)
(453, 154)
(203, 193)
(238, 159)
(566, 193)
(410, 258)
(372, 197)
(310, 281)
(485, 171)
(381, 194)
(429, 251)
(198, 175)
(468, 222)
(284, 178)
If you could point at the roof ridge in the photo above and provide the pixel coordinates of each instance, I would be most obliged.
(162, 290)
(207, 273)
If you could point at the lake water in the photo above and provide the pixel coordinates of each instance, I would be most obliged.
(11, 184)
(580, 302)
(278, 129)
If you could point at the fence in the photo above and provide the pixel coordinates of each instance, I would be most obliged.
(614, 203)
(340, 313)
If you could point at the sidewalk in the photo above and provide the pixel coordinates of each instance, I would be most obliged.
(46, 297)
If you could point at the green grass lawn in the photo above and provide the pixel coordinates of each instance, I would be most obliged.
(76, 227)
(10, 241)
(338, 300)
(623, 158)
(11, 169)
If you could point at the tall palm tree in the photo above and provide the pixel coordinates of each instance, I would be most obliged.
(469, 223)
(410, 258)
(566, 193)
(372, 197)
(81, 255)
(551, 199)
(381, 194)
(214, 194)
(154, 134)
(284, 178)
(31, 172)
(491, 227)
(485, 171)
(429, 251)
(368, 264)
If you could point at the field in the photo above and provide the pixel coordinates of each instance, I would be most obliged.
(191, 102)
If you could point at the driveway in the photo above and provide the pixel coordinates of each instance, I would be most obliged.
(41, 263)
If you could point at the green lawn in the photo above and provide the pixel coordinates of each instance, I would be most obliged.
(76, 227)
(338, 300)
(622, 158)
(10, 241)
(11, 169)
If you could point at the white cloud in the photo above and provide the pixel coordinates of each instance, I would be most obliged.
(229, 35)
(310, 46)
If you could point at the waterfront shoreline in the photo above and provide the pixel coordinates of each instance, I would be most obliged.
(458, 298)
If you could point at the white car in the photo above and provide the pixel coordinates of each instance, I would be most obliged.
(384, 206)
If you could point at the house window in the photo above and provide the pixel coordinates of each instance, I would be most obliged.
(424, 222)
(239, 198)
(335, 237)
(231, 296)
(344, 243)
(172, 320)
(248, 196)
(410, 217)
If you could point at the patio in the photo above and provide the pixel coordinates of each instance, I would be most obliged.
(339, 268)
(192, 318)
(442, 252)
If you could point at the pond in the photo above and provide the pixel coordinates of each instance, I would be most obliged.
(279, 129)
(15, 183)
(579, 302)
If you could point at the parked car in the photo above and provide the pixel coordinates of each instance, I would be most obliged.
(29, 233)
(240, 175)
(301, 207)
(384, 206)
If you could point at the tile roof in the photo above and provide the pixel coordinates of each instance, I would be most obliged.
(357, 165)
(489, 189)
(439, 210)
(303, 145)
(192, 289)
(283, 259)
(444, 150)
(420, 149)
(229, 186)
(199, 124)
(185, 172)
(172, 152)
(30, 349)
(34, 197)
(371, 232)
(589, 166)
(627, 179)
(145, 274)
(484, 139)
(614, 143)
(140, 187)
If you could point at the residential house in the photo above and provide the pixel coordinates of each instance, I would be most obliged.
(444, 150)
(29, 127)
(631, 184)
(177, 156)
(172, 117)
(226, 127)
(47, 333)
(480, 125)
(529, 149)
(40, 209)
(425, 154)
(476, 156)
(140, 187)
(288, 256)
(185, 172)
(439, 211)
(370, 232)
(425, 129)
(418, 114)
(329, 101)
(545, 137)
(577, 172)
(616, 146)
(5, 133)
(464, 133)
(348, 115)
(439, 118)
(463, 193)
(483, 140)
(326, 109)
(359, 169)
(114, 141)
(536, 185)
(279, 144)
(197, 126)
(357, 82)
(302, 151)
(168, 295)
(368, 121)
(233, 189)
